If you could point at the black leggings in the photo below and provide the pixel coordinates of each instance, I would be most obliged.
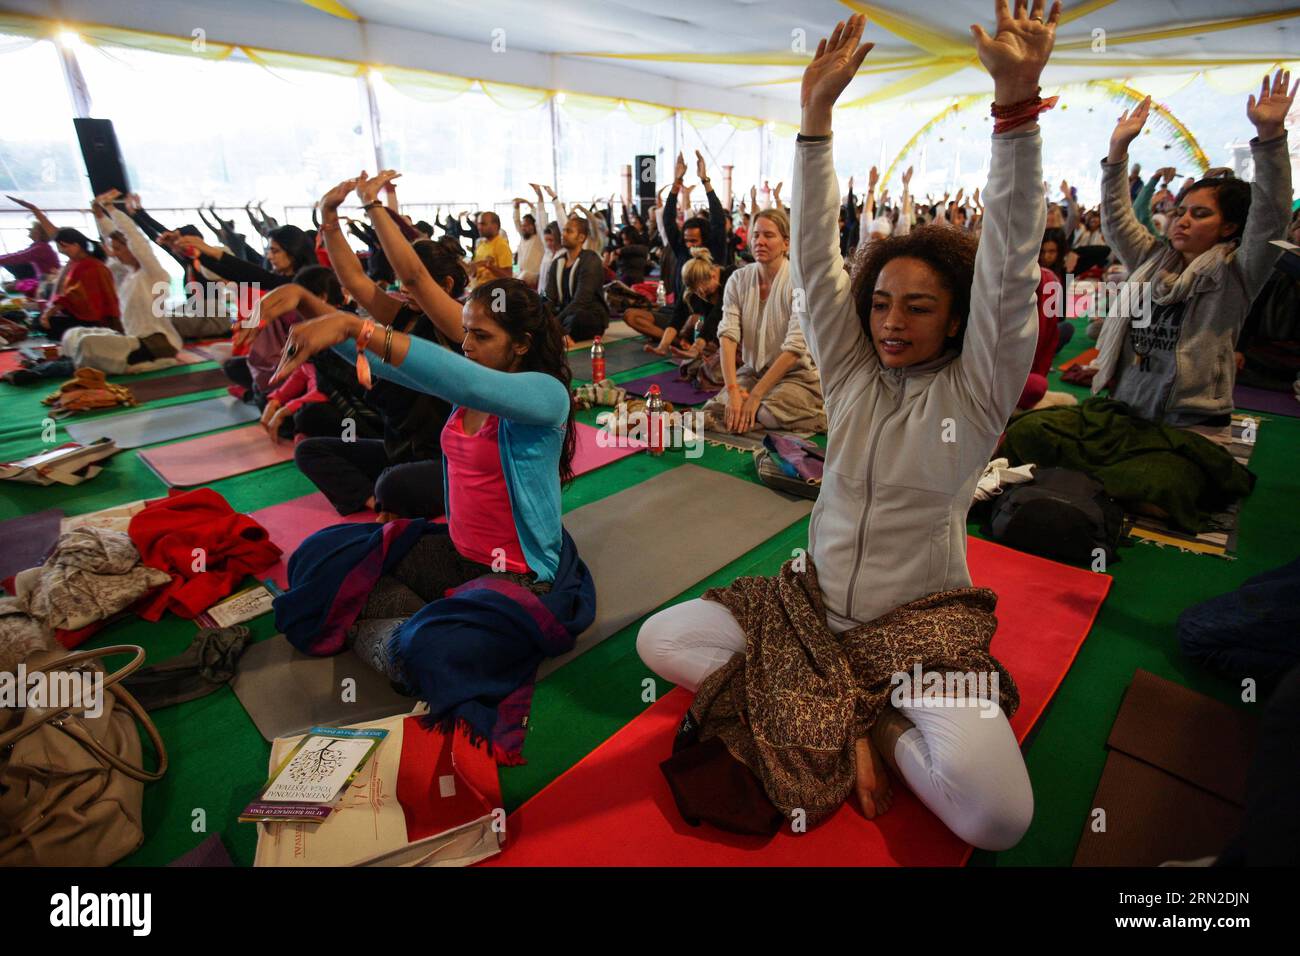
(350, 472)
(60, 322)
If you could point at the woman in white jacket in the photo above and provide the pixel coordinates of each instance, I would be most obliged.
(770, 379)
(142, 287)
(922, 361)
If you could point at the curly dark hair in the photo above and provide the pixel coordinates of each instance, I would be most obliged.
(949, 252)
(528, 317)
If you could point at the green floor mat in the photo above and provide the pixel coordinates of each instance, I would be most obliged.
(218, 758)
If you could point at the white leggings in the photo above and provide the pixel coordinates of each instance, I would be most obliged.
(965, 767)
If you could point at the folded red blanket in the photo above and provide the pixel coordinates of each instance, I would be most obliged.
(204, 544)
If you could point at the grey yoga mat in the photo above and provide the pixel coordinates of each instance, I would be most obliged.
(287, 692)
(639, 562)
(152, 425)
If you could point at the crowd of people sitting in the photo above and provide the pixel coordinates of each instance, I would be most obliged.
(877, 321)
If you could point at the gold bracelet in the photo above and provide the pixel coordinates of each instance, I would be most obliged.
(388, 345)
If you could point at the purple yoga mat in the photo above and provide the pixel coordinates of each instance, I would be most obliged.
(671, 387)
(1264, 400)
(28, 540)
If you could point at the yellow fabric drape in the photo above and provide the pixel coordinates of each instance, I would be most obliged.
(1161, 87)
(279, 60)
(333, 8)
(931, 41)
(755, 58)
(511, 97)
(587, 108)
(702, 119)
(424, 86)
(1243, 79)
(648, 114)
(908, 84)
(199, 46)
(1172, 33)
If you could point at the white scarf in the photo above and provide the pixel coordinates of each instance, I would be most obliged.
(1167, 287)
(764, 325)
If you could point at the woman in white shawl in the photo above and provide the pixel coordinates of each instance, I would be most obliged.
(771, 381)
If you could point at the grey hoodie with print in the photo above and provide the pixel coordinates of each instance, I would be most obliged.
(907, 446)
(1204, 367)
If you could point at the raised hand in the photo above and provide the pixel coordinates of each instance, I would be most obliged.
(1016, 54)
(368, 189)
(701, 169)
(1127, 129)
(335, 196)
(907, 177)
(836, 62)
(679, 169)
(753, 198)
(31, 206)
(1268, 112)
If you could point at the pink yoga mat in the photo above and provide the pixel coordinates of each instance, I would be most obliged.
(199, 461)
(10, 361)
(614, 807)
(290, 524)
(589, 455)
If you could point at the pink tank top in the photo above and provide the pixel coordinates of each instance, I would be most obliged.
(481, 523)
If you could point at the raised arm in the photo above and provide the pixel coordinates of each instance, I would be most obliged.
(531, 398)
(1124, 233)
(352, 275)
(443, 311)
(823, 300)
(139, 245)
(1002, 329)
(1270, 205)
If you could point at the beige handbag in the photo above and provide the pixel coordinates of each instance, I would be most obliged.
(72, 785)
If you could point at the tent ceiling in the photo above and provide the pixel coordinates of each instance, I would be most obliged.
(762, 31)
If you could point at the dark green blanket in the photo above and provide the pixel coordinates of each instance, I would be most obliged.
(1186, 475)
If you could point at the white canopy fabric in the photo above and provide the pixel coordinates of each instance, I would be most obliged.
(740, 57)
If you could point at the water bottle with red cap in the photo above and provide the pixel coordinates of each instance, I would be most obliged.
(597, 360)
(654, 410)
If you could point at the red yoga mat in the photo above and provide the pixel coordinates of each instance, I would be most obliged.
(1083, 358)
(199, 461)
(614, 807)
(290, 523)
(589, 455)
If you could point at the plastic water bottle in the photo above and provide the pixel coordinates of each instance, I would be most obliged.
(654, 410)
(597, 360)
(660, 299)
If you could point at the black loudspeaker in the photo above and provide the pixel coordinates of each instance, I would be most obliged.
(643, 172)
(103, 158)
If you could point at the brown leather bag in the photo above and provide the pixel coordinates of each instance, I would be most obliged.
(72, 785)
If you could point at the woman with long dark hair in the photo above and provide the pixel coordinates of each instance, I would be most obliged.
(85, 294)
(459, 614)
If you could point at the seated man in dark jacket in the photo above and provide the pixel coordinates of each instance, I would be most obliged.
(575, 285)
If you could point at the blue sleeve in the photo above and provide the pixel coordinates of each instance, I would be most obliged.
(531, 398)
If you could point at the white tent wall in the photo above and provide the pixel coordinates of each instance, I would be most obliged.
(298, 28)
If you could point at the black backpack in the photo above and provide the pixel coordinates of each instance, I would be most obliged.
(1062, 514)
